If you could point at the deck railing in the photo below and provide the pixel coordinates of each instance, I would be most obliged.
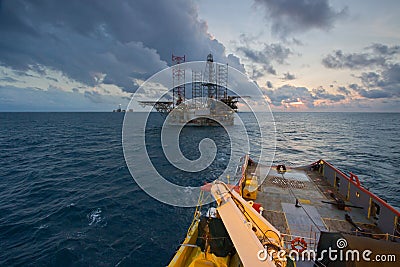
(311, 235)
(385, 216)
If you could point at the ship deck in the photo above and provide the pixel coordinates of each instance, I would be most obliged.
(278, 194)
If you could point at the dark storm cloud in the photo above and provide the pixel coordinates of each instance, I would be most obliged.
(290, 16)
(120, 39)
(288, 76)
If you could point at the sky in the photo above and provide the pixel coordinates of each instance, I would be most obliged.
(305, 55)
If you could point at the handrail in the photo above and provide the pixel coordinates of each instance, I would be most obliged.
(196, 212)
(359, 186)
(387, 235)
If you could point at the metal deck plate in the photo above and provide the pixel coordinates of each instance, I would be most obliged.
(301, 224)
(291, 174)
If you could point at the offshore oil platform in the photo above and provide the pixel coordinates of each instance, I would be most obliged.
(207, 104)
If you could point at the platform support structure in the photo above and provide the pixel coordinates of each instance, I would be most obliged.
(222, 81)
(209, 84)
(197, 90)
(178, 80)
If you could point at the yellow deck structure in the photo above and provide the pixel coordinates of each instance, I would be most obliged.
(300, 202)
(248, 230)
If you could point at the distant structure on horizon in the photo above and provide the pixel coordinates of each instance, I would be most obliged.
(122, 110)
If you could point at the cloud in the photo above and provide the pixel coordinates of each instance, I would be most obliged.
(269, 52)
(383, 81)
(257, 73)
(371, 93)
(339, 60)
(294, 16)
(54, 99)
(262, 59)
(288, 76)
(117, 40)
(385, 50)
(375, 55)
(343, 90)
(391, 78)
(94, 96)
(322, 94)
(354, 87)
(234, 62)
(8, 80)
(51, 79)
(370, 79)
(289, 96)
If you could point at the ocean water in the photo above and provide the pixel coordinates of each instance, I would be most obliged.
(67, 197)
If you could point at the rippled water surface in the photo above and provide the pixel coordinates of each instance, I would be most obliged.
(67, 197)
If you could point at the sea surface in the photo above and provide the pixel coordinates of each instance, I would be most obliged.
(67, 197)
